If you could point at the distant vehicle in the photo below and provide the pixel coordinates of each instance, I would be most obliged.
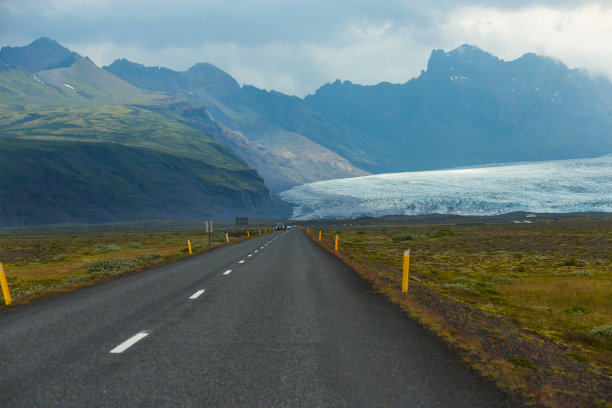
(280, 226)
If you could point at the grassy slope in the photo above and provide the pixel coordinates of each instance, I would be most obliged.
(57, 181)
(132, 126)
(33, 109)
(187, 172)
(92, 85)
(20, 91)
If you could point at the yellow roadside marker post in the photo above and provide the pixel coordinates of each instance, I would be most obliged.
(189, 245)
(319, 235)
(5, 289)
(248, 234)
(259, 230)
(336, 245)
(226, 238)
(406, 269)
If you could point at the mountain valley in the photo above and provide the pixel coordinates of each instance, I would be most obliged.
(247, 145)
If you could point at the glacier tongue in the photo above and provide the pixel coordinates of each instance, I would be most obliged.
(553, 187)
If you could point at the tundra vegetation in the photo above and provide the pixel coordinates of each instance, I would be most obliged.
(554, 277)
(524, 303)
(49, 260)
(529, 305)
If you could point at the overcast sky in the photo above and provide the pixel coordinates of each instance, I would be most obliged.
(297, 46)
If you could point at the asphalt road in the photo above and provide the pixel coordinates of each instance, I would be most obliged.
(289, 326)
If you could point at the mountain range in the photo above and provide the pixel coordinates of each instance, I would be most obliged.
(213, 147)
(78, 144)
(468, 108)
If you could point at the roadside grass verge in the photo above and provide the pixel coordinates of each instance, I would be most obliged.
(40, 264)
(540, 291)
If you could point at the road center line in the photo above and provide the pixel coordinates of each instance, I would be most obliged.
(129, 342)
(197, 294)
(227, 272)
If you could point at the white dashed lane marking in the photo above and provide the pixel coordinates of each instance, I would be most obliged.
(197, 294)
(129, 343)
(227, 272)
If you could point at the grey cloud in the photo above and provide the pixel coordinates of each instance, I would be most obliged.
(288, 45)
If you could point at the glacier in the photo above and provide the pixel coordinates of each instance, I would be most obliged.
(563, 186)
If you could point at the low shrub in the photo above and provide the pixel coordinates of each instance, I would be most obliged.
(603, 331)
(460, 286)
(580, 273)
(443, 232)
(465, 281)
(570, 262)
(541, 309)
(112, 266)
(107, 248)
(577, 309)
(500, 280)
(406, 237)
(149, 257)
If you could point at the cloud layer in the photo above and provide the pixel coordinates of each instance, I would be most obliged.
(296, 46)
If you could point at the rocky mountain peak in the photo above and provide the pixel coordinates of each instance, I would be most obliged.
(39, 55)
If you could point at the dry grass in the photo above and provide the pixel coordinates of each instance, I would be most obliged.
(39, 264)
(553, 278)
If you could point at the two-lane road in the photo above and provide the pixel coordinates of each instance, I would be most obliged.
(271, 321)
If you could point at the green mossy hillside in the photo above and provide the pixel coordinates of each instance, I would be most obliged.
(127, 125)
(45, 181)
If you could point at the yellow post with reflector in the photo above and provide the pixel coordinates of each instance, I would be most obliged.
(319, 235)
(5, 288)
(248, 234)
(189, 245)
(226, 238)
(406, 271)
(336, 245)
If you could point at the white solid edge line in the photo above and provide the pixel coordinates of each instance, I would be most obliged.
(129, 342)
(227, 272)
(197, 294)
